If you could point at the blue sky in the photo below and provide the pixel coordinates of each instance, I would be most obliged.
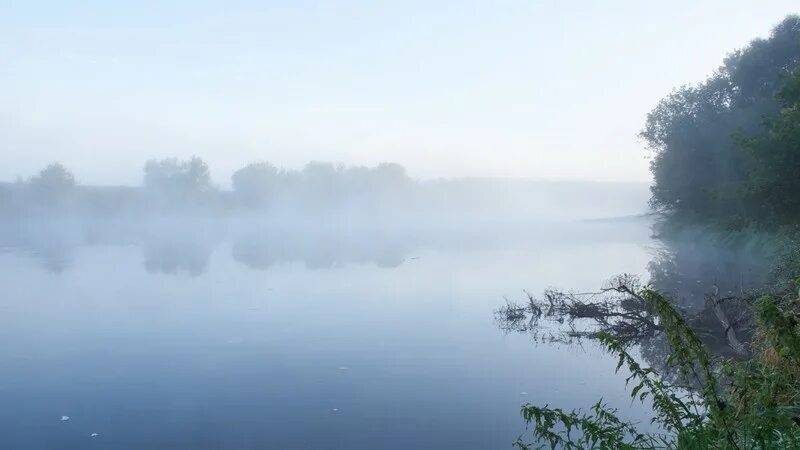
(538, 89)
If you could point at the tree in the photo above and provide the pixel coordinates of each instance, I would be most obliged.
(256, 183)
(52, 187)
(173, 177)
(53, 179)
(699, 167)
(322, 184)
(774, 186)
(391, 177)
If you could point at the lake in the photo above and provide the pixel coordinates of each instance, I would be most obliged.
(206, 336)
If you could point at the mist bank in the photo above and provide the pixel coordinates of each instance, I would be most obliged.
(182, 245)
(323, 216)
(319, 194)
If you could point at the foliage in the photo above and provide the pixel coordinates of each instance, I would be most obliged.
(725, 151)
(774, 187)
(255, 183)
(321, 185)
(172, 176)
(52, 179)
(716, 403)
(52, 188)
(713, 158)
(601, 428)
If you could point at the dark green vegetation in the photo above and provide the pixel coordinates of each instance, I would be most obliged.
(700, 400)
(726, 156)
(726, 150)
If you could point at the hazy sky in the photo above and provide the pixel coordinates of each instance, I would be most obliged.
(542, 89)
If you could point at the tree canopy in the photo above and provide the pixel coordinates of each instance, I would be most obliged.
(717, 145)
(54, 178)
(174, 176)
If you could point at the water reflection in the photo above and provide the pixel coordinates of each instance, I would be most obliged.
(317, 251)
(184, 247)
(176, 256)
(55, 257)
(120, 348)
(688, 269)
(710, 281)
(713, 281)
(187, 252)
(53, 251)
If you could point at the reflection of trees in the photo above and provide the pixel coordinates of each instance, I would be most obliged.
(185, 246)
(261, 251)
(54, 258)
(256, 253)
(54, 249)
(687, 270)
(176, 256)
(714, 282)
(712, 285)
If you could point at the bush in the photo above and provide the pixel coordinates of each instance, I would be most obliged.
(714, 404)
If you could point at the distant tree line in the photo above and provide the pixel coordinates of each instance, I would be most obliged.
(728, 149)
(358, 194)
(181, 185)
(320, 185)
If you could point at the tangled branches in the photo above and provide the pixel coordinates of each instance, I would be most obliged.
(617, 310)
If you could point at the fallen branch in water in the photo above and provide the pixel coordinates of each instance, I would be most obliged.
(618, 310)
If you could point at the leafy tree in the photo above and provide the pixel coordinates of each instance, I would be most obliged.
(53, 179)
(725, 150)
(53, 187)
(391, 177)
(774, 185)
(174, 177)
(699, 167)
(256, 183)
(323, 183)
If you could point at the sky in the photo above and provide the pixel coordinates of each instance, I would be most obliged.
(553, 90)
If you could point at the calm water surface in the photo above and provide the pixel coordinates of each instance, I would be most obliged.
(199, 339)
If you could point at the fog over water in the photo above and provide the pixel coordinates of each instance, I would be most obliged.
(216, 327)
(333, 307)
(396, 225)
